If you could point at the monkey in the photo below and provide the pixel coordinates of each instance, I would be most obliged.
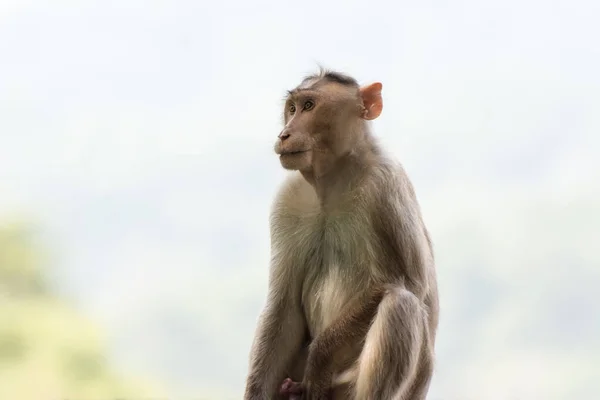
(352, 305)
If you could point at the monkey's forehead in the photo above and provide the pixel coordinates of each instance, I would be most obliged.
(322, 89)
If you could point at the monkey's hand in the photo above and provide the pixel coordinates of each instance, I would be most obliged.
(291, 390)
(298, 391)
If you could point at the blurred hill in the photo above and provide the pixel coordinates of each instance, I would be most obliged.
(48, 350)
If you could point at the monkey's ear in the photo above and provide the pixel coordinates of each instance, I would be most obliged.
(371, 97)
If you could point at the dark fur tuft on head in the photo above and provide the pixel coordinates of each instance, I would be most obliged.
(333, 76)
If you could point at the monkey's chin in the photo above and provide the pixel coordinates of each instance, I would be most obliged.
(295, 161)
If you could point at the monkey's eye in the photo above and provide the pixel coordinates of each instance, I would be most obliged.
(292, 109)
(308, 105)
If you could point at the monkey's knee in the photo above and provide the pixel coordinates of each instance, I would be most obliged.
(404, 309)
(407, 320)
(402, 296)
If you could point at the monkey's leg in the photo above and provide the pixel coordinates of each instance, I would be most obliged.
(397, 360)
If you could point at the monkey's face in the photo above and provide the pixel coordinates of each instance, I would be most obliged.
(318, 126)
(295, 144)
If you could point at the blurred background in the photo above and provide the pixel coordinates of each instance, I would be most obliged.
(137, 173)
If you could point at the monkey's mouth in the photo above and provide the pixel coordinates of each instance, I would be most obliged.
(292, 153)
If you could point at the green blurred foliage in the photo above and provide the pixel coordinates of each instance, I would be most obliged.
(48, 350)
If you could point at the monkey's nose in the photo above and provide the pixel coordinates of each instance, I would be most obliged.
(284, 135)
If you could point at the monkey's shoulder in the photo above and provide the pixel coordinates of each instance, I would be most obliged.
(390, 186)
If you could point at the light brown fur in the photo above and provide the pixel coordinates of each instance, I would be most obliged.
(352, 303)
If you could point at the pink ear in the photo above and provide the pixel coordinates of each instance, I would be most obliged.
(371, 96)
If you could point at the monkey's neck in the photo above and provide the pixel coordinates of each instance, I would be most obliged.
(344, 173)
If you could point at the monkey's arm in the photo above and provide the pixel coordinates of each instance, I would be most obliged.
(399, 226)
(352, 325)
(280, 334)
(347, 328)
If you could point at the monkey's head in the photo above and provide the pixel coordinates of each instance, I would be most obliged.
(325, 119)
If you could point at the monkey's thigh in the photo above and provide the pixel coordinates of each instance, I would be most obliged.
(396, 360)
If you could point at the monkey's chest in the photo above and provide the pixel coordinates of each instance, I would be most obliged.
(339, 268)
